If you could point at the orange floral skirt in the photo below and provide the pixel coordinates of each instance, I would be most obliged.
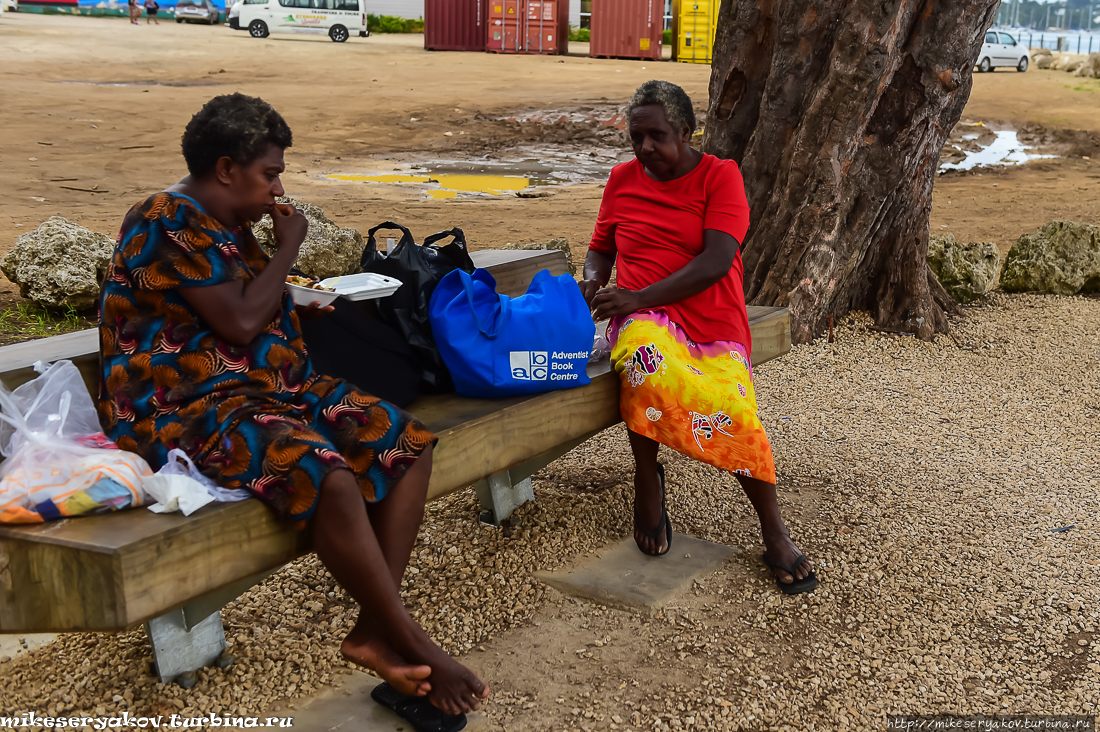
(697, 398)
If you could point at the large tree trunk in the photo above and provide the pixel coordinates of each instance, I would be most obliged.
(836, 111)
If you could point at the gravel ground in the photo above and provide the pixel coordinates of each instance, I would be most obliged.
(923, 478)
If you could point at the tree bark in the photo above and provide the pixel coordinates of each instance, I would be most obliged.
(837, 111)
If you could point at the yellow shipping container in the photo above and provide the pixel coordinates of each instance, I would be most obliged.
(695, 24)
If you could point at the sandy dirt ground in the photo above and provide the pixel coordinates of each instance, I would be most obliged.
(97, 104)
(92, 113)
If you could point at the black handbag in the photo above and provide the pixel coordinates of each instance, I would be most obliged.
(419, 268)
(353, 344)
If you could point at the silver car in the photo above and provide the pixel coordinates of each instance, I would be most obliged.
(1001, 49)
(197, 11)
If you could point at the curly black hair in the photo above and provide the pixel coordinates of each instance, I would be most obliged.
(674, 100)
(235, 126)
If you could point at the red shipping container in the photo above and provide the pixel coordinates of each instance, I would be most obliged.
(456, 25)
(528, 26)
(627, 29)
(505, 21)
(543, 29)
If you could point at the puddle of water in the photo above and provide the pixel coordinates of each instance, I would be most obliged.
(449, 185)
(1006, 149)
(603, 115)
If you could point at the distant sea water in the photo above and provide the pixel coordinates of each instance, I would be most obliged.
(1066, 41)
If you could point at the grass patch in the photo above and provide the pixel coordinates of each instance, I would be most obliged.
(1089, 85)
(26, 320)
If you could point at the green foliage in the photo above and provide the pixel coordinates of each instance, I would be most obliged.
(393, 24)
(1085, 86)
(30, 320)
(581, 35)
(666, 38)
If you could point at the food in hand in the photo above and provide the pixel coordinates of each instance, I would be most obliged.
(306, 282)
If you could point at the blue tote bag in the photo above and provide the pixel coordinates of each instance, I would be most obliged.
(495, 345)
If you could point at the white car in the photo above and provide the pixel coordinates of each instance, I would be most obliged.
(338, 18)
(1001, 49)
(197, 11)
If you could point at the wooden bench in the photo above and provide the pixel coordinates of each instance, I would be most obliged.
(174, 573)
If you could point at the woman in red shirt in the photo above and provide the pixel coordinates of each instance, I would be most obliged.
(671, 222)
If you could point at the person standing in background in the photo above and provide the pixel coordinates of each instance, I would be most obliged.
(135, 12)
(151, 9)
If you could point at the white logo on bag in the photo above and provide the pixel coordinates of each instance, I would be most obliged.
(529, 365)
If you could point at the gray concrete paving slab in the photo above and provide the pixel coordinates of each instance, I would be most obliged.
(13, 645)
(621, 576)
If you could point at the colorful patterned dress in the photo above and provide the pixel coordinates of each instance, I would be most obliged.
(254, 416)
(686, 367)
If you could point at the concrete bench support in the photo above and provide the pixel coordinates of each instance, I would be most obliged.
(178, 649)
(500, 497)
(502, 493)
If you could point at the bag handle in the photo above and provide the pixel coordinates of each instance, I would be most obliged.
(456, 251)
(455, 233)
(492, 331)
(177, 455)
(389, 225)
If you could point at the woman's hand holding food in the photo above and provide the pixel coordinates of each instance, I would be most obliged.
(589, 288)
(289, 225)
(609, 302)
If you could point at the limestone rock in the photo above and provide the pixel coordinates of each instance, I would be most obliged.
(1037, 52)
(1090, 68)
(1063, 258)
(1045, 61)
(966, 270)
(559, 243)
(1067, 63)
(59, 264)
(328, 251)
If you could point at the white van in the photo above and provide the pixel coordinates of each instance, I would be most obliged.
(338, 18)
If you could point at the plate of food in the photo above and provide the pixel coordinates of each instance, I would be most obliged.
(307, 291)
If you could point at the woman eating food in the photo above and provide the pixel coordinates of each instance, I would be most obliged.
(201, 350)
(671, 222)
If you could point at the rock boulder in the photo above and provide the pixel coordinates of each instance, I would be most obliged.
(328, 251)
(559, 243)
(966, 270)
(1063, 258)
(1090, 68)
(60, 264)
(1067, 63)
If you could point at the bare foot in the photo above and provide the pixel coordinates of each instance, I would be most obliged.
(376, 655)
(455, 688)
(781, 550)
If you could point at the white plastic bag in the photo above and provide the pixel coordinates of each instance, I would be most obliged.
(55, 464)
(179, 486)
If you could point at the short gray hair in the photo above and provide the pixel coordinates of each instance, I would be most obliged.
(674, 100)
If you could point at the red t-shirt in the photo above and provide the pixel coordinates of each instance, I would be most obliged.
(655, 228)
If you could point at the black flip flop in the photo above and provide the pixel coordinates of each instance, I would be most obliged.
(806, 584)
(665, 525)
(417, 710)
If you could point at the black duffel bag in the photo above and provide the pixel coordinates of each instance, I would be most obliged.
(419, 268)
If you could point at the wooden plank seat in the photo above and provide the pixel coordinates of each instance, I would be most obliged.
(174, 573)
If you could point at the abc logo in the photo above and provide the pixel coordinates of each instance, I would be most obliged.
(529, 365)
